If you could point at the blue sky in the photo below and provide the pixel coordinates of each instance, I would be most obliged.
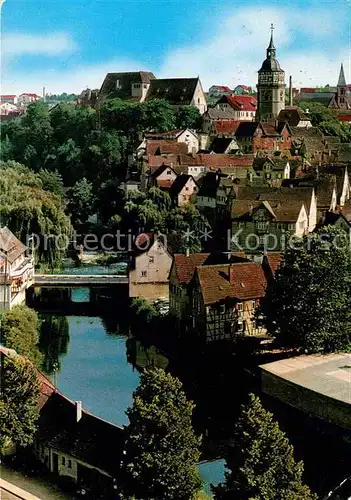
(71, 45)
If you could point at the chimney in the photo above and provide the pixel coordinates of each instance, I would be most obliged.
(187, 252)
(290, 91)
(78, 410)
(44, 94)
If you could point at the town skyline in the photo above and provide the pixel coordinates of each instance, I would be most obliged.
(223, 47)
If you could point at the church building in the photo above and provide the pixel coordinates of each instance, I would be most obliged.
(270, 87)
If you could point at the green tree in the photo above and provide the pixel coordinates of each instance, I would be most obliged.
(51, 181)
(317, 112)
(188, 117)
(81, 200)
(261, 461)
(158, 116)
(309, 303)
(20, 331)
(19, 401)
(161, 450)
(26, 208)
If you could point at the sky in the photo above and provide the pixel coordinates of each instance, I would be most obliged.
(70, 45)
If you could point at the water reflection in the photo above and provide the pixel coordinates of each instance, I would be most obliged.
(53, 341)
(142, 357)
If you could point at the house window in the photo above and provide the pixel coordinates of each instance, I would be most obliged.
(143, 274)
(145, 86)
(240, 306)
(70, 464)
(253, 304)
(151, 259)
(291, 226)
(63, 461)
(261, 225)
(169, 172)
(222, 308)
(240, 326)
(186, 188)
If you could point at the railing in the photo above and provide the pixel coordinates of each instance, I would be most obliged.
(80, 279)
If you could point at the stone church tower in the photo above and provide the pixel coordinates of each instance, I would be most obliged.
(341, 91)
(270, 87)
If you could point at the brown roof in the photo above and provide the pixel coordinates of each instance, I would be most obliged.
(220, 114)
(158, 147)
(273, 260)
(242, 281)
(282, 194)
(185, 266)
(213, 161)
(164, 183)
(177, 91)
(108, 88)
(281, 212)
(293, 115)
(226, 127)
(10, 246)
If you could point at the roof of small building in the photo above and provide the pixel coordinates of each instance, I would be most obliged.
(221, 114)
(177, 91)
(222, 88)
(184, 266)
(10, 246)
(240, 102)
(169, 134)
(179, 183)
(248, 129)
(276, 164)
(225, 127)
(220, 144)
(327, 374)
(273, 260)
(241, 281)
(293, 115)
(281, 212)
(161, 146)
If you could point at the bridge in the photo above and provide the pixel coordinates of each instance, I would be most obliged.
(78, 280)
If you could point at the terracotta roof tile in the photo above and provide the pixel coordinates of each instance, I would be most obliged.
(11, 246)
(225, 126)
(242, 281)
(158, 147)
(185, 266)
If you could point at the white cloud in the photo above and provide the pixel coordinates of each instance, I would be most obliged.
(235, 52)
(19, 44)
(72, 80)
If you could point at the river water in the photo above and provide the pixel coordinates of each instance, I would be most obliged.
(89, 360)
(91, 357)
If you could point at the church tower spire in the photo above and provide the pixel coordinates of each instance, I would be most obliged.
(271, 52)
(270, 86)
(342, 80)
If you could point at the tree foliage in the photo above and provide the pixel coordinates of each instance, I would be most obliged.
(19, 401)
(309, 303)
(326, 119)
(27, 208)
(81, 201)
(261, 461)
(20, 331)
(188, 117)
(161, 449)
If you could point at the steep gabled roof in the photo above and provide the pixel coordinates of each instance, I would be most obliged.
(220, 144)
(220, 114)
(184, 266)
(226, 127)
(177, 91)
(10, 246)
(159, 147)
(179, 184)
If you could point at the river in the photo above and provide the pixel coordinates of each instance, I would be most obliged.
(92, 357)
(89, 360)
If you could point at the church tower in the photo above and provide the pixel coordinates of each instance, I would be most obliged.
(341, 91)
(271, 86)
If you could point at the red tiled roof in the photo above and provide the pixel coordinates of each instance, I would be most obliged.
(30, 95)
(243, 87)
(242, 281)
(225, 126)
(274, 260)
(163, 146)
(201, 159)
(185, 266)
(7, 96)
(242, 102)
(222, 88)
(345, 117)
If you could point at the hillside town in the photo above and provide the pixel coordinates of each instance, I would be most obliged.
(227, 214)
